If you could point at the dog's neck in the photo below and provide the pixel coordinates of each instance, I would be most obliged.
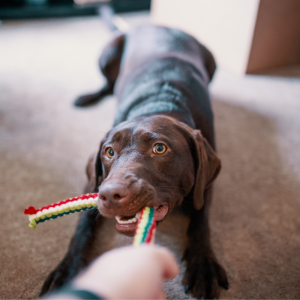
(166, 99)
(161, 106)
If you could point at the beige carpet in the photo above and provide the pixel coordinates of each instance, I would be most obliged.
(45, 142)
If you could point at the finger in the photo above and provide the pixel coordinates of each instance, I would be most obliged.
(161, 295)
(170, 268)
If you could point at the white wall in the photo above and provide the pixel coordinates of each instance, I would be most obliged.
(225, 26)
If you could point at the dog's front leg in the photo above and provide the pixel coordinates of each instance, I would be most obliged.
(204, 275)
(78, 255)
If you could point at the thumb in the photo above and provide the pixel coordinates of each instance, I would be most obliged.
(169, 266)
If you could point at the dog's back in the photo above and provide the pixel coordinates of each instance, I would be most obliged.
(165, 70)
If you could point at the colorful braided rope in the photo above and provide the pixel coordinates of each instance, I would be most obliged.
(145, 227)
(65, 207)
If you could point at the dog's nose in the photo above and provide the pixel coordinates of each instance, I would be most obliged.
(112, 191)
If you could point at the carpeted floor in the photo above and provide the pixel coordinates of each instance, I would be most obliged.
(45, 143)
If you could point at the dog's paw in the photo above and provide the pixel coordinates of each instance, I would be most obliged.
(203, 277)
(62, 274)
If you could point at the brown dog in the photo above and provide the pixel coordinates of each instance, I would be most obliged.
(160, 151)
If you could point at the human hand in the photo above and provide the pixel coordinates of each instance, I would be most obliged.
(129, 273)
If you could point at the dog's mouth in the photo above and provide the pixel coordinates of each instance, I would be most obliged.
(127, 224)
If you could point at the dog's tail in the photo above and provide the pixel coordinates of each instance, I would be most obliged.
(110, 59)
(114, 22)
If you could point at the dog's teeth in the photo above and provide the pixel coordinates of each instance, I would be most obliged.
(137, 215)
(120, 221)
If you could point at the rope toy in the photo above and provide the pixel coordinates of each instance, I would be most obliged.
(145, 229)
(59, 209)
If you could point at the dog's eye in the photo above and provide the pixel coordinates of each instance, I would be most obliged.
(110, 152)
(159, 149)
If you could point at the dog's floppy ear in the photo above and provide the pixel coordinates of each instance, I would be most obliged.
(94, 170)
(90, 173)
(207, 167)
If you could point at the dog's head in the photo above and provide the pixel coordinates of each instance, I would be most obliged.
(150, 161)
